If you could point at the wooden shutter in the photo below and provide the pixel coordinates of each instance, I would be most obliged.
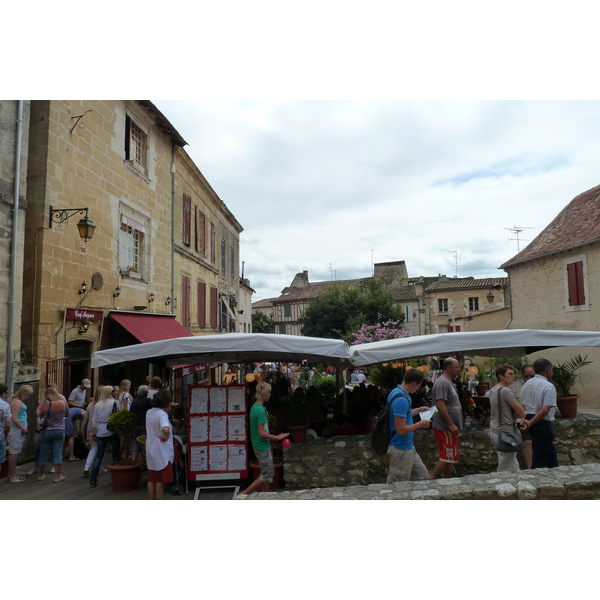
(187, 219)
(185, 301)
(197, 221)
(213, 308)
(575, 283)
(201, 304)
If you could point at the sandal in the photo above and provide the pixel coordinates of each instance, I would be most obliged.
(74, 459)
(41, 478)
(61, 478)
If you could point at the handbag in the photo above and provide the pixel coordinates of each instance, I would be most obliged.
(508, 441)
(44, 419)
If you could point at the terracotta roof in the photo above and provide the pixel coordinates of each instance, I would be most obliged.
(266, 303)
(467, 283)
(577, 224)
(312, 290)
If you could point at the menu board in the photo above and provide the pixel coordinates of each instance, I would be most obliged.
(218, 432)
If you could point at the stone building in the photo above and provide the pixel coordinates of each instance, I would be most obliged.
(554, 284)
(466, 304)
(163, 260)
(14, 140)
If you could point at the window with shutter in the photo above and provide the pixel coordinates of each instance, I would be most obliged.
(187, 219)
(576, 284)
(201, 304)
(185, 301)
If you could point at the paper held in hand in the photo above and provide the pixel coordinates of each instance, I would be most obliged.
(427, 415)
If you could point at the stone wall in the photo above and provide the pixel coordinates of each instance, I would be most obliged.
(563, 483)
(349, 460)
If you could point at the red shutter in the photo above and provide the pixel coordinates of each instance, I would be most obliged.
(197, 221)
(185, 301)
(187, 218)
(213, 308)
(201, 304)
(213, 242)
(575, 283)
(206, 238)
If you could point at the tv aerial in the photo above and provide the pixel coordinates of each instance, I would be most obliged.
(516, 230)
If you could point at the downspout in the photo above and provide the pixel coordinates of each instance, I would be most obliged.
(510, 300)
(13, 257)
(172, 305)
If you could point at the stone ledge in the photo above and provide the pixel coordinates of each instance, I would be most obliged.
(581, 482)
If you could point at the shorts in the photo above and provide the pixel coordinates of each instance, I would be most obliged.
(163, 476)
(265, 462)
(405, 465)
(447, 445)
(15, 440)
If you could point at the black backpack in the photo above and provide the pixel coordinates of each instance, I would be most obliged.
(380, 431)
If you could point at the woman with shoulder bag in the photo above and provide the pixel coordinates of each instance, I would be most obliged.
(105, 407)
(51, 412)
(506, 415)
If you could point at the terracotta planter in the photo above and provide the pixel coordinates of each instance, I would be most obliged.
(270, 487)
(125, 474)
(567, 406)
(298, 433)
(482, 388)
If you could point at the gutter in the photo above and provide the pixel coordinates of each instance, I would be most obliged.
(13, 258)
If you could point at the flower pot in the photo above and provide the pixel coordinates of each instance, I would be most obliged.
(298, 433)
(567, 406)
(125, 474)
(482, 388)
(269, 487)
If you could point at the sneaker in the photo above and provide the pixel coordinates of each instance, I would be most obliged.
(19, 479)
(86, 473)
(31, 472)
(52, 470)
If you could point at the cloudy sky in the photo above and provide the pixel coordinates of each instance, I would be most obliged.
(329, 186)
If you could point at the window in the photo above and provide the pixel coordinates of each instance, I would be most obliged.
(282, 328)
(576, 283)
(185, 301)
(287, 310)
(223, 258)
(452, 328)
(408, 313)
(131, 246)
(473, 304)
(136, 144)
(443, 306)
(201, 304)
(214, 302)
(232, 262)
(200, 239)
(213, 242)
(187, 220)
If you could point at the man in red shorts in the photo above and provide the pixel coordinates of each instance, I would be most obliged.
(448, 420)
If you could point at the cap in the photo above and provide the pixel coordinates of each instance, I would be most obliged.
(86, 383)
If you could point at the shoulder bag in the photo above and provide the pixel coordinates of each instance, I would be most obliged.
(44, 419)
(508, 441)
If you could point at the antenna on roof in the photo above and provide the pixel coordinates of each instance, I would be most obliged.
(455, 252)
(516, 231)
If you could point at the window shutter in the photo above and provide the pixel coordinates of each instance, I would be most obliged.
(197, 221)
(185, 301)
(187, 217)
(201, 304)
(575, 283)
(213, 307)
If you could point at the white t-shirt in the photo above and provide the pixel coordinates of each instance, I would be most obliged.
(158, 453)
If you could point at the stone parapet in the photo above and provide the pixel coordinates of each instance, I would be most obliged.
(562, 483)
(349, 460)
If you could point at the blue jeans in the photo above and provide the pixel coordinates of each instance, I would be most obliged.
(103, 442)
(50, 439)
(2, 450)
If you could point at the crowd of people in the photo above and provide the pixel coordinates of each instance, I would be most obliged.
(59, 440)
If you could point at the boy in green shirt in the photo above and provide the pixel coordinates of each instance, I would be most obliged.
(261, 439)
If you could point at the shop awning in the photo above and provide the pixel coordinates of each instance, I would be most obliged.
(151, 328)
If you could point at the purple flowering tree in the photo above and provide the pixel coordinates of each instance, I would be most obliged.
(388, 330)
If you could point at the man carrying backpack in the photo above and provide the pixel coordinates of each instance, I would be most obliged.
(405, 463)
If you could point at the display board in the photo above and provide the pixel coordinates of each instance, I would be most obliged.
(217, 432)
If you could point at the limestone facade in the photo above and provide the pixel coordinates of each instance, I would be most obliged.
(125, 163)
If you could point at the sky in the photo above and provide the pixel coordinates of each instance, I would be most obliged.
(332, 186)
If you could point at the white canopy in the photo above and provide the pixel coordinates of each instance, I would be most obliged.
(503, 343)
(231, 348)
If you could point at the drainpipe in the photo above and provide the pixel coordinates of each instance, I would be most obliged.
(510, 300)
(13, 257)
(172, 305)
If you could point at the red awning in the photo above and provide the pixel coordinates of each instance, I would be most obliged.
(151, 328)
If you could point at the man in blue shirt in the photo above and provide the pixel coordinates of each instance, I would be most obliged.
(405, 463)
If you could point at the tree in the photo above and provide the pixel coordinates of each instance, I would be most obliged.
(262, 323)
(339, 311)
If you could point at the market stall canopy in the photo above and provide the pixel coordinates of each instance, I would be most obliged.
(504, 343)
(230, 348)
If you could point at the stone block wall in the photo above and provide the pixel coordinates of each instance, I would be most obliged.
(349, 460)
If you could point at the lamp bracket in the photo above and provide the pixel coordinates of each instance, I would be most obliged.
(60, 215)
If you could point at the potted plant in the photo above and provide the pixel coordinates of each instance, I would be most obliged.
(125, 474)
(297, 411)
(564, 377)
